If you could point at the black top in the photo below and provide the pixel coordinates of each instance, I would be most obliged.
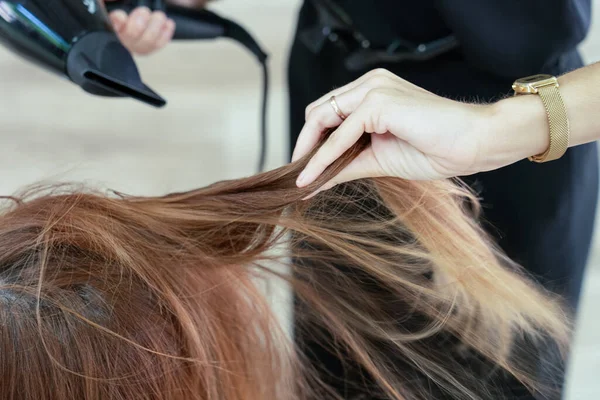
(494, 35)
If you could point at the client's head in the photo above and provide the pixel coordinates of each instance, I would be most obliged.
(100, 300)
(113, 297)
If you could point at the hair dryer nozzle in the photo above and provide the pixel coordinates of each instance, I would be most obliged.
(100, 64)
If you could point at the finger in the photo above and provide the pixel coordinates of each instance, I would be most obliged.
(118, 19)
(148, 40)
(365, 165)
(341, 140)
(324, 117)
(346, 88)
(335, 92)
(136, 25)
(167, 34)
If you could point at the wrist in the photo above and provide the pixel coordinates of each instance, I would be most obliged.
(513, 129)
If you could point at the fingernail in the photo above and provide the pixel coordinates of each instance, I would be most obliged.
(301, 179)
(310, 196)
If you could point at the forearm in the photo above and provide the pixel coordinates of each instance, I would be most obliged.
(517, 127)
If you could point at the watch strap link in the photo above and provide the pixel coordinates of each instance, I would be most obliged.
(559, 124)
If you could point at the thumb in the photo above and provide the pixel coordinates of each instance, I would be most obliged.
(363, 166)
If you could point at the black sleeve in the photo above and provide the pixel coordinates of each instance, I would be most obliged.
(515, 38)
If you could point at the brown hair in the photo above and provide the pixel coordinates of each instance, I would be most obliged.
(107, 296)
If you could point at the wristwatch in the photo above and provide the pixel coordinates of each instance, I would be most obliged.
(546, 86)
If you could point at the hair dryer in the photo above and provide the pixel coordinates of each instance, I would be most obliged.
(75, 39)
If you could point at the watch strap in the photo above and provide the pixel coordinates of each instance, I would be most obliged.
(558, 121)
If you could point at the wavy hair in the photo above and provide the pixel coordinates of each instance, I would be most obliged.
(107, 296)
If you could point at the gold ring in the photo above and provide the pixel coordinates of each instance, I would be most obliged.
(336, 108)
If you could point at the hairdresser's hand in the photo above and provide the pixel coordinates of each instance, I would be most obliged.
(414, 133)
(145, 32)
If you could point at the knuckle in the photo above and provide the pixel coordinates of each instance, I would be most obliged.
(377, 81)
(382, 72)
(315, 117)
(307, 111)
(319, 125)
(375, 95)
(378, 72)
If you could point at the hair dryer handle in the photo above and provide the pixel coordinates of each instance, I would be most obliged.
(190, 23)
(196, 24)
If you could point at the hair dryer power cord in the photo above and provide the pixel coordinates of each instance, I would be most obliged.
(262, 160)
(202, 24)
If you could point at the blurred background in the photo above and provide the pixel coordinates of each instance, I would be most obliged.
(52, 131)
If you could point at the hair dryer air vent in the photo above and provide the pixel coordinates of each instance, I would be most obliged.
(100, 64)
(74, 38)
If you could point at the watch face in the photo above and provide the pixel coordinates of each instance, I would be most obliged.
(531, 84)
(532, 79)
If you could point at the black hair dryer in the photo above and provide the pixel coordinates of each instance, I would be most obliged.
(75, 39)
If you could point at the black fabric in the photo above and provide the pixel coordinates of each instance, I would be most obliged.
(541, 214)
(506, 38)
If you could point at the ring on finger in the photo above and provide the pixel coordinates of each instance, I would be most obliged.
(336, 108)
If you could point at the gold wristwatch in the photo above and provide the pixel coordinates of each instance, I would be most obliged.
(546, 86)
